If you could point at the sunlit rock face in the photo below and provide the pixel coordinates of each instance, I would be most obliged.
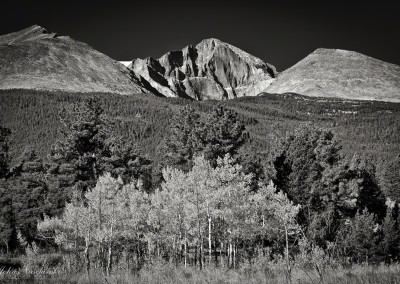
(210, 70)
(340, 74)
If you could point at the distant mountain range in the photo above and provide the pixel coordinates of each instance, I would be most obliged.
(35, 58)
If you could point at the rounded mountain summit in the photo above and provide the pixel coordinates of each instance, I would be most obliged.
(340, 74)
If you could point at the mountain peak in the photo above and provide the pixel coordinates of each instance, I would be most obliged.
(211, 41)
(35, 58)
(212, 69)
(335, 51)
(209, 46)
(340, 73)
(31, 33)
(38, 28)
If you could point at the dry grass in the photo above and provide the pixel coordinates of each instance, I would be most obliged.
(168, 273)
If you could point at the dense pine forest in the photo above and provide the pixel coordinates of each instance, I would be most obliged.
(368, 128)
(275, 188)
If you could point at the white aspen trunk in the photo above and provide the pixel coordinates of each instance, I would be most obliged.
(87, 244)
(195, 256)
(199, 232)
(287, 256)
(215, 251)
(221, 253)
(185, 251)
(234, 255)
(109, 257)
(201, 253)
(177, 250)
(87, 258)
(230, 255)
(149, 250)
(101, 255)
(209, 240)
(127, 259)
(179, 244)
(174, 249)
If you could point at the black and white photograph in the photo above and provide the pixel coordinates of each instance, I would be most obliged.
(174, 142)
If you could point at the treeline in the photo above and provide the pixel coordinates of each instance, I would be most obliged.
(372, 132)
(210, 198)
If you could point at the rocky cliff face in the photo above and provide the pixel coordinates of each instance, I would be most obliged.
(340, 74)
(35, 58)
(210, 70)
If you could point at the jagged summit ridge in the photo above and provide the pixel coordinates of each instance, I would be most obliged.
(214, 43)
(211, 69)
(31, 33)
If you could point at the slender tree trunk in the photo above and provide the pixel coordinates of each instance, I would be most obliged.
(215, 252)
(320, 273)
(195, 256)
(87, 244)
(209, 240)
(174, 249)
(230, 255)
(101, 254)
(185, 251)
(204, 254)
(289, 268)
(76, 253)
(201, 254)
(179, 244)
(221, 253)
(200, 235)
(87, 259)
(234, 255)
(109, 258)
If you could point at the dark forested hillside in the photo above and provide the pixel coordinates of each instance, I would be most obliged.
(366, 128)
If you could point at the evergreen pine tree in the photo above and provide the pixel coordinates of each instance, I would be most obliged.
(4, 151)
(30, 193)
